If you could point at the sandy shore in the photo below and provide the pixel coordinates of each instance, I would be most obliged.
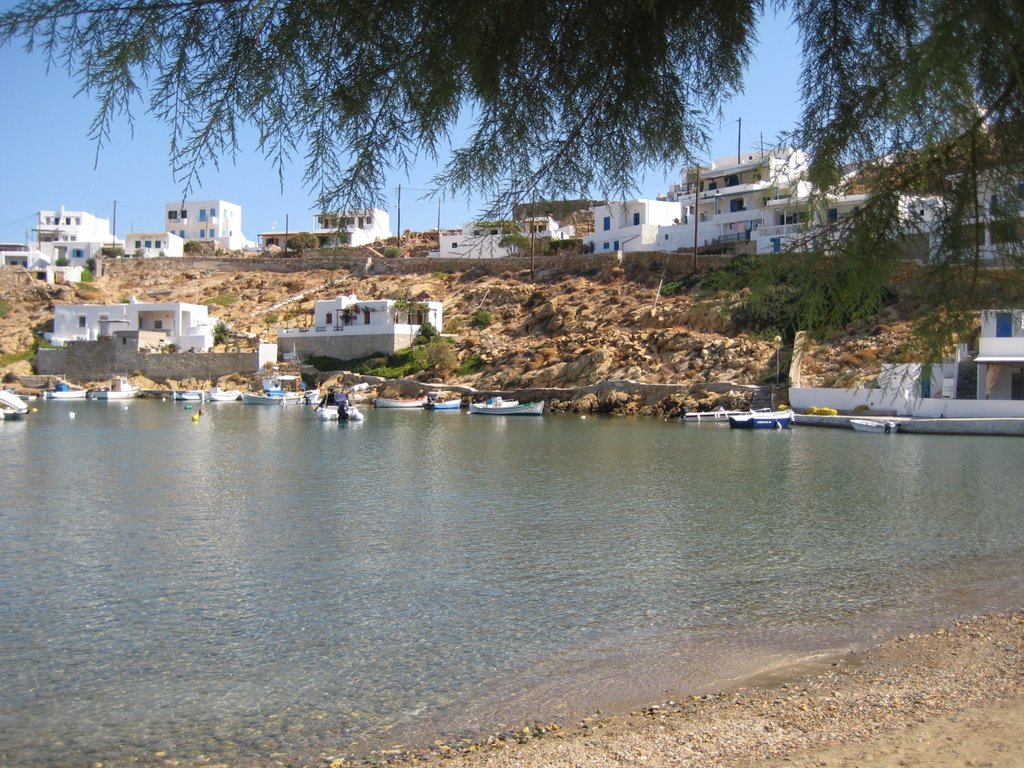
(954, 697)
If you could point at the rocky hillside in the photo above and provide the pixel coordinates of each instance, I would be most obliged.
(560, 329)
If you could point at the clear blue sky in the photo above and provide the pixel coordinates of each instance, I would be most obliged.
(49, 161)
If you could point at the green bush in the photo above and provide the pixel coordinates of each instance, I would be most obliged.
(193, 246)
(4, 308)
(426, 332)
(87, 276)
(482, 319)
(470, 365)
(392, 252)
(221, 333)
(440, 356)
(224, 300)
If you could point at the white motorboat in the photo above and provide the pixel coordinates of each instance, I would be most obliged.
(762, 420)
(218, 395)
(400, 402)
(11, 406)
(878, 427)
(64, 391)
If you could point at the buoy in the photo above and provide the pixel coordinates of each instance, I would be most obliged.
(188, 407)
(195, 417)
(71, 414)
(35, 410)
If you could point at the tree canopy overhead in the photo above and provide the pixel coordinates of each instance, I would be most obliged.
(573, 98)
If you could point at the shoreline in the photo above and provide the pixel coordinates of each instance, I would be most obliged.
(952, 697)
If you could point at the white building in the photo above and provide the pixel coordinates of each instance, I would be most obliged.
(210, 221)
(73, 236)
(347, 327)
(1001, 355)
(148, 245)
(144, 325)
(632, 226)
(38, 263)
(364, 226)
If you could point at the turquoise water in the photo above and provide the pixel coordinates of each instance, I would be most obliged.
(259, 583)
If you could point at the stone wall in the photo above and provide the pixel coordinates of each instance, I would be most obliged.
(84, 361)
(344, 347)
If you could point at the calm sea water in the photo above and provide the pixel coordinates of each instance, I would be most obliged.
(259, 585)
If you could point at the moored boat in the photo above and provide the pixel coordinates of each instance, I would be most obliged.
(719, 414)
(192, 395)
(762, 420)
(64, 391)
(878, 427)
(335, 406)
(496, 406)
(400, 402)
(218, 395)
(11, 406)
(436, 403)
(119, 388)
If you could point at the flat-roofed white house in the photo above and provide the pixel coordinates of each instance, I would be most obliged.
(209, 221)
(73, 236)
(150, 245)
(1001, 355)
(38, 263)
(139, 325)
(347, 327)
(474, 241)
(632, 226)
(363, 226)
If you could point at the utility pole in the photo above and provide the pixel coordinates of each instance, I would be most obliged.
(113, 231)
(399, 215)
(739, 134)
(286, 235)
(696, 203)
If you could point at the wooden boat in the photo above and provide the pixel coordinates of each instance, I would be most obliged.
(277, 390)
(11, 406)
(218, 395)
(762, 420)
(878, 427)
(119, 388)
(400, 402)
(64, 391)
(262, 398)
(435, 403)
(496, 406)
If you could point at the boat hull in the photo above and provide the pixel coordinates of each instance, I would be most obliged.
(762, 420)
(69, 394)
(395, 402)
(12, 406)
(444, 405)
(224, 395)
(507, 409)
(877, 427)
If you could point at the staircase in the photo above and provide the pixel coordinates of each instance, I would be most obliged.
(967, 380)
(762, 398)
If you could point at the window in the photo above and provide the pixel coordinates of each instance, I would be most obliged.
(213, 233)
(81, 321)
(330, 318)
(616, 245)
(1004, 325)
(202, 233)
(732, 180)
(606, 246)
(833, 215)
(181, 233)
(737, 205)
(636, 218)
(138, 243)
(149, 243)
(213, 213)
(159, 243)
(202, 214)
(158, 325)
(776, 245)
(172, 215)
(607, 223)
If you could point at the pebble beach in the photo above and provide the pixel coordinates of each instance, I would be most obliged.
(951, 697)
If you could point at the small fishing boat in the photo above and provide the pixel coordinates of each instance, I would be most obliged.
(878, 427)
(436, 403)
(192, 395)
(119, 388)
(11, 406)
(64, 391)
(218, 395)
(719, 414)
(277, 390)
(400, 402)
(762, 420)
(496, 406)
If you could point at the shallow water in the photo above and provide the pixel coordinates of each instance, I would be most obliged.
(259, 582)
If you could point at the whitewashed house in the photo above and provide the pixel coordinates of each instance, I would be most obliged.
(209, 221)
(347, 327)
(38, 263)
(636, 225)
(475, 241)
(149, 245)
(73, 237)
(363, 226)
(1001, 355)
(139, 325)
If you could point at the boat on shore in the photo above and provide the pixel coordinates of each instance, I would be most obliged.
(64, 391)
(119, 388)
(762, 420)
(878, 427)
(400, 402)
(12, 406)
(496, 406)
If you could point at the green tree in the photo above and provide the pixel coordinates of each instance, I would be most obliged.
(515, 242)
(221, 333)
(193, 247)
(301, 241)
(925, 97)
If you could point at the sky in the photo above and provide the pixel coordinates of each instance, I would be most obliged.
(49, 161)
